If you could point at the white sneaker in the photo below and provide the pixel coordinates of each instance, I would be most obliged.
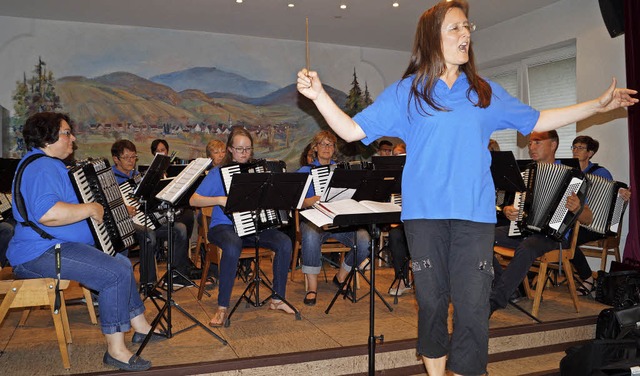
(398, 291)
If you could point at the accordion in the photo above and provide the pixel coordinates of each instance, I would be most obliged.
(93, 181)
(542, 208)
(320, 176)
(251, 222)
(5, 206)
(151, 220)
(606, 204)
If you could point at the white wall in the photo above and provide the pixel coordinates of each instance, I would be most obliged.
(598, 59)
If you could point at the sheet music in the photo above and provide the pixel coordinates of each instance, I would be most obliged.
(304, 192)
(323, 213)
(174, 190)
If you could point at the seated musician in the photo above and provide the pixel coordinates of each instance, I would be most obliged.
(124, 156)
(307, 156)
(324, 145)
(542, 148)
(53, 207)
(385, 148)
(584, 148)
(211, 192)
(216, 150)
(400, 149)
(6, 233)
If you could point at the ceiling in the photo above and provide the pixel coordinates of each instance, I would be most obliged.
(365, 23)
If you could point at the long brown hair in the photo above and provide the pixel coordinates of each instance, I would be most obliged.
(235, 131)
(427, 60)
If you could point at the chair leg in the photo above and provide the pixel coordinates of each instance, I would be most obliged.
(568, 272)
(294, 261)
(61, 324)
(205, 273)
(24, 317)
(90, 307)
(542, 276)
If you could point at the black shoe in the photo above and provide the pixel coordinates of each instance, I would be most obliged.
(155, 337)
(310, 301)
(180, 281)
(516, 296)
(135, 363)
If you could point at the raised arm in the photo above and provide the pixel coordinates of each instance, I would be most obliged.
(611, 99)
(310, 86)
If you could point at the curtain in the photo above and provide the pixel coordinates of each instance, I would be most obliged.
(632, 58)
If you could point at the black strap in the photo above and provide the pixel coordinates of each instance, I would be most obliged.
(19, 200)
(593, 168)
(22, 209)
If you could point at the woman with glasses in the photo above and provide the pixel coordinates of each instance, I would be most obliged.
(52, 205)
(445, 112)
(324, 147)
(211, 192)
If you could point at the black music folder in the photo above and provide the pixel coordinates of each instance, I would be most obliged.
(259, 191)
(391, 162)
(152, 177)
(373, 185)
(506, 172)
(7, 171)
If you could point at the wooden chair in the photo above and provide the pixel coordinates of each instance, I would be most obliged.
(603, 248)
(213, 253)
(330, 246)
(541, 266)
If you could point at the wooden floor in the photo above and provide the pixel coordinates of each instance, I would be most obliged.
(259, 332)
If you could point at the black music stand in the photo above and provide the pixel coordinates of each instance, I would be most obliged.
(375, 185)
(165, 311)
(257, 192)
(145, 191)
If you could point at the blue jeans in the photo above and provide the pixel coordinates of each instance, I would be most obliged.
(180, 260)
(225, 237)
(112, 277)
(313, 237)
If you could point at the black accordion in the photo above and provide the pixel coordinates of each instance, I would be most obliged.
(543, 207)
(5, 206)
(245, 222)
(606, 204)
(94, 181)
(153, 219)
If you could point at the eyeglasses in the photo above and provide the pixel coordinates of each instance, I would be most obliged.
(460, 26)
(581, 148)
(326, 145)
(242, 150)
(66, 132)
(128, 157)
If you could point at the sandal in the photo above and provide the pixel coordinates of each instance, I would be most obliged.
(219, 318)
(586, 288)
(310, 301)
(279, 305)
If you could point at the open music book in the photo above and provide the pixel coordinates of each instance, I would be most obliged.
(324, 213)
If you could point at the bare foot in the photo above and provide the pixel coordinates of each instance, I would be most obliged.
(280, 305)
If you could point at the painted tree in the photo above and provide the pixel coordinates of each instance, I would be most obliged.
(354, 102)
(32, 95)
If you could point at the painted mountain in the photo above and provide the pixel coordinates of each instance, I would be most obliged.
(213, 80)
(124, 105)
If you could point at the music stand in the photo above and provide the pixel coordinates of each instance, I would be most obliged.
(171, 195)
(378, 185)
(505, 172)
(257, 192)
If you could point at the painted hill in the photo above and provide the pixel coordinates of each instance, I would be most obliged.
(211, 79)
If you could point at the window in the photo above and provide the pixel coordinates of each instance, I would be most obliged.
(543, 81)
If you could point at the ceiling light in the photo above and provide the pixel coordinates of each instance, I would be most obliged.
(343, 6)
(291, 5)
(239, 1)
(395, 5)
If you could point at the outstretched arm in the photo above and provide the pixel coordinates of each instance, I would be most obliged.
(310, 86)
(611, 99)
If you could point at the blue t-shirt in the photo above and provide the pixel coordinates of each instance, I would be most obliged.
(447, 171)
(121, 177)
(601, 171)
(212, 186)
(45, 181)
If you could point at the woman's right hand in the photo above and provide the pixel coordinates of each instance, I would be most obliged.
(309, 84)
(96, 211)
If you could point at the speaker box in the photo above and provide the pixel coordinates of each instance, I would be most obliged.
(613, 16)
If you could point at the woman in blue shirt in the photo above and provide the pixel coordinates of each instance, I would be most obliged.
(52, 205)
(446, 113)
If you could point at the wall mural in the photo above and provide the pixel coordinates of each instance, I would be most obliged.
(187, 108)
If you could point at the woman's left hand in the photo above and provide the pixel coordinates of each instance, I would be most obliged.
(614, 98)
